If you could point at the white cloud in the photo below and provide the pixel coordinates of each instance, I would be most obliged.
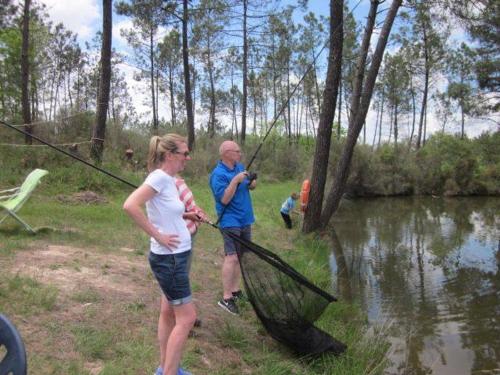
(79, 16)
(118, 40)
(141, 95)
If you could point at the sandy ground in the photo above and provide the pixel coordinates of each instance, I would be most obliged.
(119, 278)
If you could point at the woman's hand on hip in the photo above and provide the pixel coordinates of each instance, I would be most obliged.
(170, 241)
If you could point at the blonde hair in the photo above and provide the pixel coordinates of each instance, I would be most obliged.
(159, 146)
(294, 196)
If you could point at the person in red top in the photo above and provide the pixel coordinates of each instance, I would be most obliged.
(193, 216)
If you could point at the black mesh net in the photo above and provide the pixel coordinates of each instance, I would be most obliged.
(286, 303)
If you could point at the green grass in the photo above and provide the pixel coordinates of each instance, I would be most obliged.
(123, 340)
(87, 295)
(92, 342)
(231, 336)
(26, 296)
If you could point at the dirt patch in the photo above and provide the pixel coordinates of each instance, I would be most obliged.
(114, 291)
(87, 197)
(72, 269)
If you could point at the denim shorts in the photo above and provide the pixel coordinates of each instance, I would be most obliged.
(231, 246)
(171, 272)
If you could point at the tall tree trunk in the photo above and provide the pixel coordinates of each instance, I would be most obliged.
(233, 104)
(396, 125)
(211, 120)
(273, 65)
(413, 106)
(381, 119)
(288, 105)
(245, 75)
(462, 118)
(316, 84)
(157, 90)
(377, 118)
(69, 90)
(172, 95)
(152, 78)
(25, 73)
(187, 81)
(99, 132)
(266, 104)
(34, 100)
(254, 97)
(426, 89)
(360, 105)
(339, 117)
(391, 122)
(425, 127)
(322, 151)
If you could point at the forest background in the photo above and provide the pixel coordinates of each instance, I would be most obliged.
(213, 70)
(218, 69)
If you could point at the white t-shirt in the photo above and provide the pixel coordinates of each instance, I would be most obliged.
(165, 211)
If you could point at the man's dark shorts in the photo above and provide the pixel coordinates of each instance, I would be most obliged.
(231, 246)
(171, 272)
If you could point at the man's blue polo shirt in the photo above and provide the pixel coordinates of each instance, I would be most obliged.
(239, 212)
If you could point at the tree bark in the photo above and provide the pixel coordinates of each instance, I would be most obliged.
(172, 95)
(361, 103)
(288, 105)
(211, 119)
(396, 125)
(413, 106)
(426, 90)
(25, 74)
(152, 75)
(245, 75)
(322, 151)
(339, 117)
(99, 131)
(187, 81)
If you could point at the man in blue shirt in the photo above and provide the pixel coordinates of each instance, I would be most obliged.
(230, 187)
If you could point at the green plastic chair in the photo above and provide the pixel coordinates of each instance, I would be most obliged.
(14, 200)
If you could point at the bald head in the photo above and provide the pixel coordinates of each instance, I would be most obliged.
(230, 152)
(228, 146)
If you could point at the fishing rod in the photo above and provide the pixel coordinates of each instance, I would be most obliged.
(69, 154)
(285, 105)
(273, 123)
(310, 67)
(214, 225)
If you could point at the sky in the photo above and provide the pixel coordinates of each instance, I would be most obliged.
(84, 18)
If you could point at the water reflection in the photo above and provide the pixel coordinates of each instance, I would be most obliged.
(432, 267)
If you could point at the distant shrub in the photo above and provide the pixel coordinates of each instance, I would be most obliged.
(446, 164)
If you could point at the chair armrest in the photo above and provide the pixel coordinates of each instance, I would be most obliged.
(14, 191)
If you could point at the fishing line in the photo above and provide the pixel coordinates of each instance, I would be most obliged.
(69, 154)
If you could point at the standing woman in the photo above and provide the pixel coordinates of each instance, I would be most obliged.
(170, 248)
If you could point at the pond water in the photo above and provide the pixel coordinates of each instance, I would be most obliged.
(429, 268)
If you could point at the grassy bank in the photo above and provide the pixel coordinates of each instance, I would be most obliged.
(82, 295)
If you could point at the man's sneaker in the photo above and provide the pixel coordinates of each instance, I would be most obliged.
(229, 306)
(239, 296)
(181, 371)
(159, 371)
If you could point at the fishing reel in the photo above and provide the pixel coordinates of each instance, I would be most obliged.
(251, 176)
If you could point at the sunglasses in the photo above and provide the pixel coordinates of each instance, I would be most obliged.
(185, 153)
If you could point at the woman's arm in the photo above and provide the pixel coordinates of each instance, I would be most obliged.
(133, 207)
